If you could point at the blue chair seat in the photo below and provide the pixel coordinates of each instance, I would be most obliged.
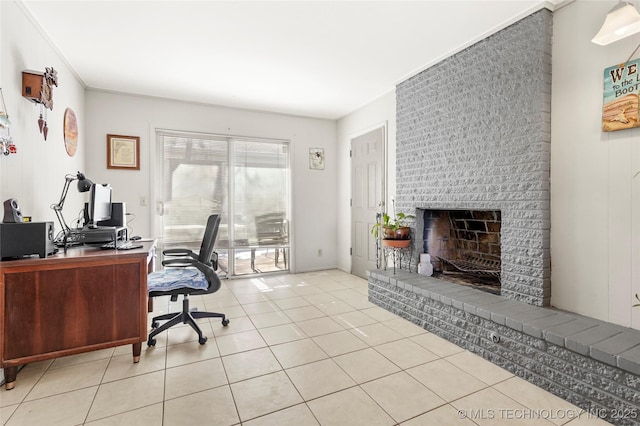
(174, 278)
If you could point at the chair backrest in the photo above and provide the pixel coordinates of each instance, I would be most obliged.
(209, 239)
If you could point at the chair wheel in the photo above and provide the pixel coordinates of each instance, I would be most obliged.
(202, 340)
(154, 324)
(151, 342)
(225, 322)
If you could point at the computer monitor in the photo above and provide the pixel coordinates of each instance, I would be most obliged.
(99, 204)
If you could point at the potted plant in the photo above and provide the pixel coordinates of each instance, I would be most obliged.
(393, 228)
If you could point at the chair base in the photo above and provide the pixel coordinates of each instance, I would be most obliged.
(185, 317)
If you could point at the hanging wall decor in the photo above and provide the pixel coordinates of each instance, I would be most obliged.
(70, 132)
(620, 103)
(316, 158)
(38, 88)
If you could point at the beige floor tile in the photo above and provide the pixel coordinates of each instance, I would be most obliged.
(332, 286)
(306, 289)
(121, 367)
(195, 377)
(436, 344)
(298, 352)
(186, 353)
(366, 365)
(339, 343)
(479, 367)
(316, 299)
(406, 353)
(354, 319)
(490, 407)
(319, 379)
(335, 307)
(255, 297)
(319, 326)
(229, 311)
(6, 413)
(210, 407)
(127, 394)
(25, 381)
(67, 379)
(147, 416)
(402, 396)
(236, 325)
(239, 342)
(68, 408)
(40, 366)
(536, 398)
(298, 415)
(67, 361)
(282, 334)
(446, 380)
(376, 334)
(281, 293)
(245, 365)
(380, 314)
(304, 313)
(404, 327)
(260, 307)
(270, 319)
(291, 302)
(445, 415)
(263, 395)
(349, 407)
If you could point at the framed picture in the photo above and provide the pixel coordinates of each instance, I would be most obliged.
(316, 158)
(123, 152)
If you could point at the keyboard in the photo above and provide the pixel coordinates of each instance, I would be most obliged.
(120, 245)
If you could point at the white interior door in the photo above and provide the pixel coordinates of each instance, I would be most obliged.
(367, 190)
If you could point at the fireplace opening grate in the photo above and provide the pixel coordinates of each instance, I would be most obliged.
(473, 265)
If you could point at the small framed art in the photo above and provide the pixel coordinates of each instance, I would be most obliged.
(316, 158)
(123, 152)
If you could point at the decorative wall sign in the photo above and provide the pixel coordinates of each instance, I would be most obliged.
(70, 132)
(621, 89)
(316, 158)
(123, 152)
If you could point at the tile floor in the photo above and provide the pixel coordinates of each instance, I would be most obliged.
(306, 349)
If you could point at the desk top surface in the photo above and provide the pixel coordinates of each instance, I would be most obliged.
(81, 253)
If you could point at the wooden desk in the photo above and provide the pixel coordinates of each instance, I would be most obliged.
(81, 301)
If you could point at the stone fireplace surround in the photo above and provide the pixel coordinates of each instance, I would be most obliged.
(473, 133)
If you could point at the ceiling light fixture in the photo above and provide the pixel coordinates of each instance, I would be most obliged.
(622, 21)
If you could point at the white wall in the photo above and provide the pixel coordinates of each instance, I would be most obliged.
(381, 112)
(595, 201)
(313, 191)
(35, 175)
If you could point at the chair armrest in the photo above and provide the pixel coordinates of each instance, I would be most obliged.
(179, 252)
(180, 263)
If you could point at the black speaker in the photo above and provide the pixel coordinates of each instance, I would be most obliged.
(12, 212)
(29, 238)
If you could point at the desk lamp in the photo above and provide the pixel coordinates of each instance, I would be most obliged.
(84, 185)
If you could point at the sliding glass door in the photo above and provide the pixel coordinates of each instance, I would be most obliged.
(244, 180)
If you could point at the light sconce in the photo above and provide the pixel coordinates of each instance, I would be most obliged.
(622, 21)
(6, 142)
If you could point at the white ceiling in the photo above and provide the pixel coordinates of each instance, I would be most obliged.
(310, 58)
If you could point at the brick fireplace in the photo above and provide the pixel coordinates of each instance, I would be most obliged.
(473, 134)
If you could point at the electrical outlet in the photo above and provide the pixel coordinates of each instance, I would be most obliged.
(143, 201)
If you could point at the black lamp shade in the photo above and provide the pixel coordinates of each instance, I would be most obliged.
(84, 184)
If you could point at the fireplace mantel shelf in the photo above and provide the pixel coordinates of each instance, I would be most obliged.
(609, 343)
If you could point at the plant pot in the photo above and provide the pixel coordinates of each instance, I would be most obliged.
(388, 233)
(396, 243)
(403, 233)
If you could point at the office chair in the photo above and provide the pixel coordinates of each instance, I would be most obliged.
(187, 273)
